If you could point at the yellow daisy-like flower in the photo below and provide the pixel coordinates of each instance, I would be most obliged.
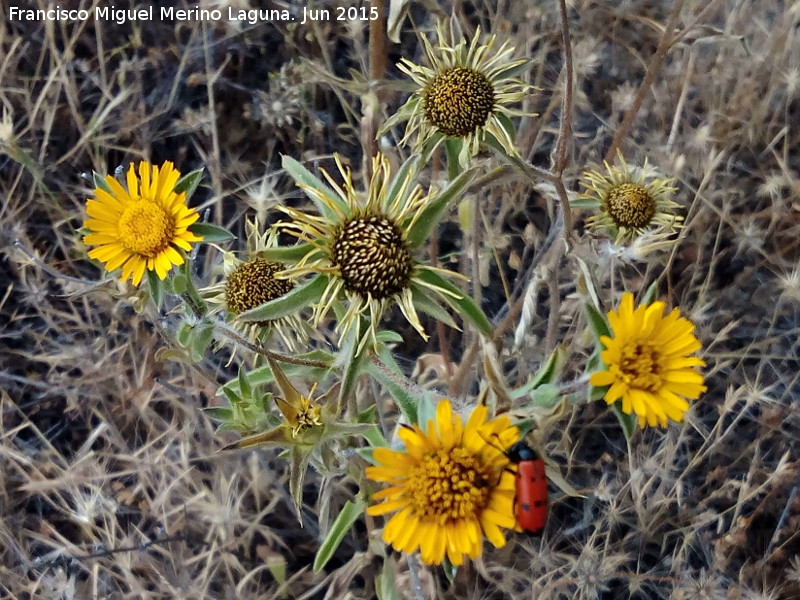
(631, 200)
(649, 367)
(252, 280)
(362, 248)
(140, 227)
(466, 93)
(450, 489)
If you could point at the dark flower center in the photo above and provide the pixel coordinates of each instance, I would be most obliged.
(630, 205)
(458, 101)
(253, 283)
(372, 256)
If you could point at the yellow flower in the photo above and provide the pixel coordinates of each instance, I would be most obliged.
(450, 489)
(466, 93)
(631, 200)
(250, 281)
(363, 249)
(648, 362)
(140, 227)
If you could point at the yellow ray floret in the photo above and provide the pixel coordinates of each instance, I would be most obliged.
(141, 227)
(649, 367)
(450, 488)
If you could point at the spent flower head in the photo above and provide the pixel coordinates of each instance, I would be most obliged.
(631, 200)
(450, 488)
(466, 92)
(360, 247)
(249, 281)
(649, 364)
(140, 227)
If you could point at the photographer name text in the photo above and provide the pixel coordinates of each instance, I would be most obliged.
(251, 16)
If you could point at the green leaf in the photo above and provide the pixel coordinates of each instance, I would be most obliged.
(452, 149)
(387, 336)
(211, 233)
(405, 399)
(422, 302)
(203, 336)
(219, 413)
(385, 586)
(183, 335)
(432, 213)
(189, 182)
(426, 412)
(462, 304)
(297, 473)
(156, 286)
(628, 422)
(597, 322)
(304, 177)
(100, 182)
(292, 302)
(350, 513)
(354, 360)
(547, 373)
(286, 253)
(546, 395)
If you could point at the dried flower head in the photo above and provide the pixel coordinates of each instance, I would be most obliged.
(362, 249)
(631, 200)
(139, 228)
(250, 281)
(466, 92)
(450, 489)
(649, 362)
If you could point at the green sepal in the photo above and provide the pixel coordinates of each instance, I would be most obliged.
(426, 412)
(179, 284)
(304, 177)
(100, 182)
(597, 322)
(650, 295)
(462, 304)
(449, 569)
(156, 286)
(628, 422)
(211, 233)
(188, 183)
(349, 514)
(432, 213)
(298, 298)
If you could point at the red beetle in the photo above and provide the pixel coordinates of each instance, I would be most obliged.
(531, 502)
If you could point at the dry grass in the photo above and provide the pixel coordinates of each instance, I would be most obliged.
(111, 485)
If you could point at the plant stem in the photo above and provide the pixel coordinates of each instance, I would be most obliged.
(664, 44)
